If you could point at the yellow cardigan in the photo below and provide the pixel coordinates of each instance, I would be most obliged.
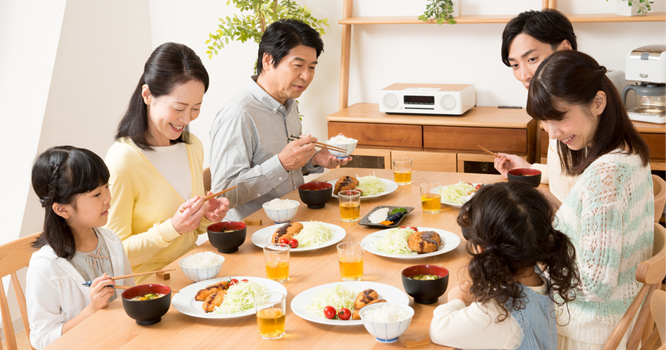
(143, 203)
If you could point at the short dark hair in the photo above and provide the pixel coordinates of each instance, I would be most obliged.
(170, 65)
(548, 26)
(574, 78)
(282, 36)
(58, 176)
(512, 224)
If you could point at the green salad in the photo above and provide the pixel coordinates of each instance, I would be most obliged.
(240, 297)
(370, 185)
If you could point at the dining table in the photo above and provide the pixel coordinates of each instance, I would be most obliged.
(112, 328)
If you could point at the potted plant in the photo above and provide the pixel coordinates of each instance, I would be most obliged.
(633, 7)
(440, 11)
(255, 17)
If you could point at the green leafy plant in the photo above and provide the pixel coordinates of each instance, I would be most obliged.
(255, 16)
(439, 10)
(643, 5)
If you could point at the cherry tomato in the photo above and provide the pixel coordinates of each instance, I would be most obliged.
(415, 228)
(344, 313)
(329, 312)
(284, 241)
(478, 186)
(244, 280)
(232, 281)
(293, 243)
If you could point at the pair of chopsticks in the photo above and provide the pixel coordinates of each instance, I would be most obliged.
(89, 283)
(213, 196)
(321, 145)
(488, 151)
(117, 286)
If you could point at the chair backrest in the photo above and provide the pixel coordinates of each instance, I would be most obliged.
(206, 176)
(658, 309)
(659, 186)
(649, 272)
(14, 256)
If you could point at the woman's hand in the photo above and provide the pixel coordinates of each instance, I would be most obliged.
(189, 215)
(100, 293)
(216, 208)
(462, 292)
(506, 162)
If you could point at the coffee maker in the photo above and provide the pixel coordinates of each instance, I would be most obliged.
(647, 66)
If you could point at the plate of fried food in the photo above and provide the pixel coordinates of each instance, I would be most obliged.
(308, 235)
(370, 186)
(225, 297)
(410, 242)
(323, 304)
(456, 195)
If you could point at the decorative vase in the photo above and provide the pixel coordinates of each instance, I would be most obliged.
(623, 8)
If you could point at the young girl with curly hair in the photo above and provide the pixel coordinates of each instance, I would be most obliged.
(510, 303)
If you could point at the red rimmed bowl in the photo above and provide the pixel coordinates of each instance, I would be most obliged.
(315, 194)
(147, 312)
(425, 291)
(531, 176)
(227, 236)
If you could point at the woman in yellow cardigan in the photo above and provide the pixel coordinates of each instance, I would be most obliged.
(156, 163)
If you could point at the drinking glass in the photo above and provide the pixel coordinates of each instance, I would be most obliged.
(350, 205)
(350, 257)
(430, 197)
(276, 257)
(271, 311)
(402, 170)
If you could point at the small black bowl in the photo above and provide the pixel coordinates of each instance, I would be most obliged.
(425, 291)
(315, 194)
(531, 176)
(147, 312)
(227, 236)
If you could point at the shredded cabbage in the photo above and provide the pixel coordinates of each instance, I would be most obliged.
(240, 297)
(338, 297)
(456, 193)
(395, 242)
(370, 185)
(313, 234)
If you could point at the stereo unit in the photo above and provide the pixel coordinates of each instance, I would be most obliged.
(443, 99)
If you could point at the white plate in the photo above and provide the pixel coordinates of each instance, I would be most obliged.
(184, 302)
(391, 186)
(263, 236)
(300, 302)
(450, 239)
(455, 204)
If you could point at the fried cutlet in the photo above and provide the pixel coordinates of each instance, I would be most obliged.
(288, 231)
(424, 242)
(365, 297)
(345, 183)
(214, 300)
(204, 293)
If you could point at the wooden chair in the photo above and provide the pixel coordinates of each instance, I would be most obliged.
(14, 256)
(658, 309)
(649, 272)
(659, 186)
(207, 179)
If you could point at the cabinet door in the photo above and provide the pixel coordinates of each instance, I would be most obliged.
(429, 161)
(370, 158)
(477, 163)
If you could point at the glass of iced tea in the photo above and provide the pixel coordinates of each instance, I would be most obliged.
(271, 313)
(430, 197)
(350, 205)
(350, 257)
(276, 258)
(402, 170)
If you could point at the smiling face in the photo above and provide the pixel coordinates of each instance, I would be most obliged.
(291, 76)
(169, 114)
(88, 210)
(526, 54)
(579, 125)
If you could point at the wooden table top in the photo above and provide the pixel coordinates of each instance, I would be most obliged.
(111, 328)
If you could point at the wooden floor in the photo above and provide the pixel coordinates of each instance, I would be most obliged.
(21, 340)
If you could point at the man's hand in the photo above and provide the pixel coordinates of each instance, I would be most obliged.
(325, 159)
(297, 153)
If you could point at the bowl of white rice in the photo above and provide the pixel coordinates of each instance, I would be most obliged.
(281, 210)
(347, 143)
(201, 266)
(386, 321)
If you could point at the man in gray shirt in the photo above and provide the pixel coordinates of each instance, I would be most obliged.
(249, 146)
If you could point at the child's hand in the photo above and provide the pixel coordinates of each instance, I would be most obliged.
(188, 216)
(462, 292)
(100, 293)
(216, 208)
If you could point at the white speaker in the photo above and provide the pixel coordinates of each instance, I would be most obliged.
(442, 99)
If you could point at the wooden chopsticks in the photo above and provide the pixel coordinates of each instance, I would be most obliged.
(488, 151)
(214, 195)
(116, 286)
(319, 144)
(139, 274)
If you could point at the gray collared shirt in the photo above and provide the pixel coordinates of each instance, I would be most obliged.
(246, 137)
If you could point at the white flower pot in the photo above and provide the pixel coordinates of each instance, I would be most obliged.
(623, 8)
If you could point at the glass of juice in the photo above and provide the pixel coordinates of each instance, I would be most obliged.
(350, 205)
(430, 197)
(402, 170)
(276, 258)
(270, 311)
(350, 257)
